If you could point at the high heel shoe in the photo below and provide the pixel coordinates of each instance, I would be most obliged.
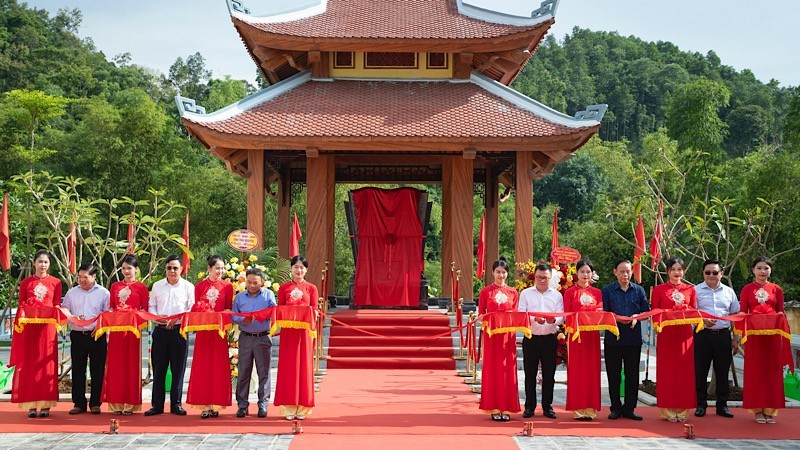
(44, 413)
(31, 413)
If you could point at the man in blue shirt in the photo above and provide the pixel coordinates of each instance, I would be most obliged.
(714, 343)
(624, 298)
(254, 342)
(86, 301)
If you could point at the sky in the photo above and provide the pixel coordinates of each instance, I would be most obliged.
(759, 36)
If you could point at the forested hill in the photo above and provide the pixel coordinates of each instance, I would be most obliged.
(114, 123)
(637, 78)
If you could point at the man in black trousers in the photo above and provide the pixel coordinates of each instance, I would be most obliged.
(86, 301)
(170, 296)
(624, 298)
(714, 343)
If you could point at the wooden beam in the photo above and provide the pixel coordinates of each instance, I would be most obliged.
(463, 66)
(290, 58)
(523, 208)
(320, 190)
(461, 218)
(255, 194)
(447, 217)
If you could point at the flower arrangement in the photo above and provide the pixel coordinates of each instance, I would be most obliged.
(563, 276)
(236, 273)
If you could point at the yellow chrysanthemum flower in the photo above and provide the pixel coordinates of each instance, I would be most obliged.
(201, 275)
(234, 260)
(253, 258)
(275, 287)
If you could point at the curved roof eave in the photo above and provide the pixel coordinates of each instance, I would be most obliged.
(545, 12)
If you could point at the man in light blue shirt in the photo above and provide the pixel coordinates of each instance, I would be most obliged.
(86, 301)
(254, 342)
(714, 342)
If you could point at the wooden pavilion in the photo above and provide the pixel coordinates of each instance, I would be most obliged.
(394, 91)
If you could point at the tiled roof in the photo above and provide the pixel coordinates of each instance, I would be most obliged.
(400, 109)
(391, 19)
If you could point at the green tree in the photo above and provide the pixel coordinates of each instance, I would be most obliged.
(749, 126)
(693, 116)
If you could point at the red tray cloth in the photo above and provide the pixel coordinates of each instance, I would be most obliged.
(39, 314)
(119, 321)
(202, 321)
(296, 317)
(506, 322)
(590, 321)
(666, 318)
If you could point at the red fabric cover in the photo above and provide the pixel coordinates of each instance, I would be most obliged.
(772, 296)
(34, 351)
(122, 382)
(765, 356)
(499, 389)
(210, 378)
(583, 355)
(295, 384)
(389, 260)
(675, 377)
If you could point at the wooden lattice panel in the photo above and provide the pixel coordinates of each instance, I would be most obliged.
(390, 60)
(344, 60)
(437, 60)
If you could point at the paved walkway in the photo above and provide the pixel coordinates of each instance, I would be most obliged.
(76, 441)
(280, 442)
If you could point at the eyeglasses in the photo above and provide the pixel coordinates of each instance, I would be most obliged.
(711, 272)
(542, 277)
(173, 267)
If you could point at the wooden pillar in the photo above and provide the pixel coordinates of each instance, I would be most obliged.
(320, 190)
(492, 205)
(284, 217)
(447, 239)
(523, 208)
(461, 218)
(255, 194)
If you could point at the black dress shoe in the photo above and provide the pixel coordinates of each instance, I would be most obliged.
(724, 412)
(527, 413)
(700, 411)
(177, 410)
(631, 415)
(153, 412)
(242, 412)
(549, 413)
(262, 412)
(615, 415)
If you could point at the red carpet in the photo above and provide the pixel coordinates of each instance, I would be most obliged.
(406, 340)
(385, 407)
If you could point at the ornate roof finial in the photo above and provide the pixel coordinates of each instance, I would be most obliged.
(592, 112)
(188, 105)
(548, 7)
(237, 6)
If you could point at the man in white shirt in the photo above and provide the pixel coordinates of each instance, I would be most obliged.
(542, 345)
(714, 343)
(87, 300)
(170, 296)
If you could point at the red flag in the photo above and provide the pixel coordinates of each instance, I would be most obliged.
(185, 261)
(554, 243)
(5, 237)
(638, 252)
(131, 235)
(71, 245)
(481, 248)
(658, 235)
(294, 244)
